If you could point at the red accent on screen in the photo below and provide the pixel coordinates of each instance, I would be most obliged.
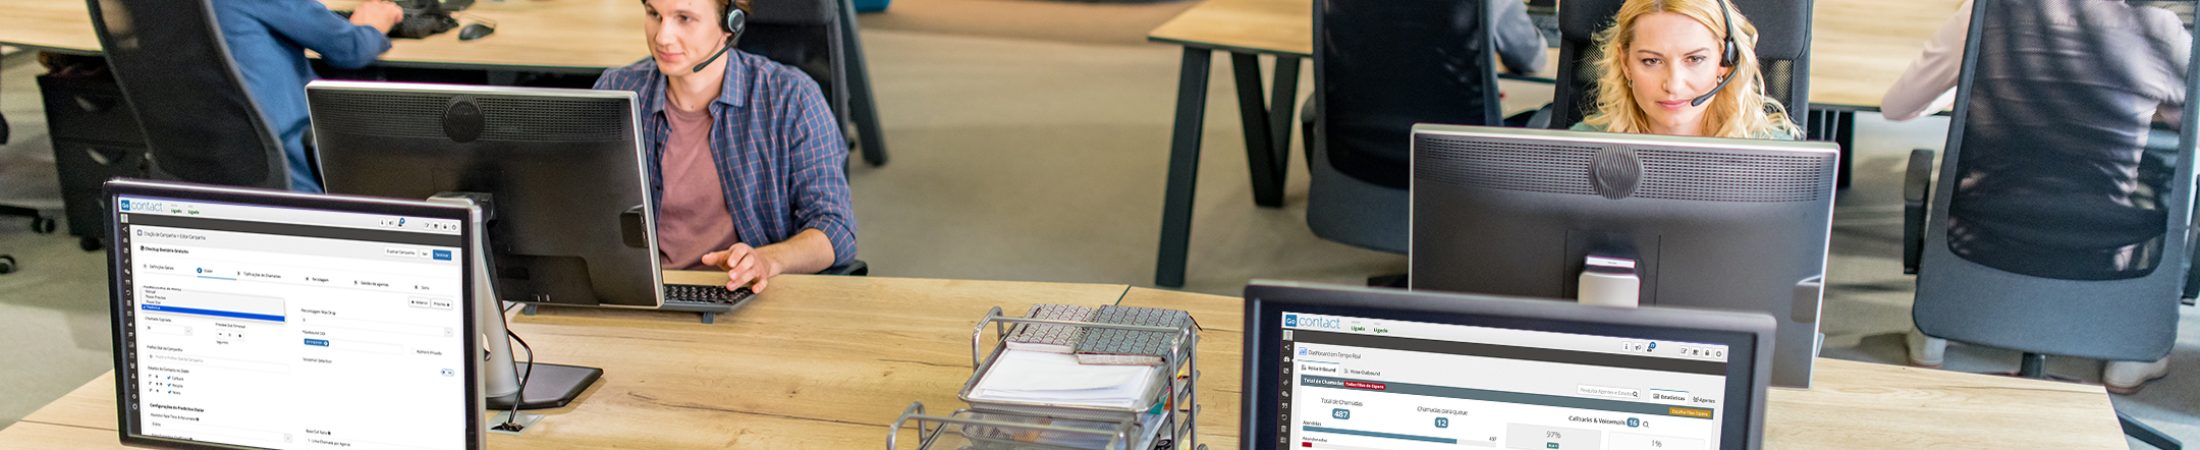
(1365, 385)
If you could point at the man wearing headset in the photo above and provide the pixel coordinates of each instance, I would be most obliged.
(747, 165)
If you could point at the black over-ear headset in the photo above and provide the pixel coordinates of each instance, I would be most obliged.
(1730, 54)
(738, 20)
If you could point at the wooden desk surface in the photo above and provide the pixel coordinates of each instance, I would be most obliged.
(828, 362)
(1858, 47)
(1855, 406)
(814, 362)
(545, 35)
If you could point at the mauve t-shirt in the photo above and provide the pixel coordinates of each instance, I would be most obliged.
(691, 218)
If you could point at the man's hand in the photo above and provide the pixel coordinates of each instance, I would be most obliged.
(380, 14)
(745, 265)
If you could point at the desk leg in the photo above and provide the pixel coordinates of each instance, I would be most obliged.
(1838, 126)
(1176, 208)
(1267, 126)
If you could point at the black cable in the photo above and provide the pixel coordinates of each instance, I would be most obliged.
(511, 423)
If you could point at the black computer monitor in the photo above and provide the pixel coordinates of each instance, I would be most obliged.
(1715, 223)
(570, 221)
(247, 318)
(1364, 368)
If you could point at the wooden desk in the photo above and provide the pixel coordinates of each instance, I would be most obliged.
(815, 362)
(829, 362)
(1855, 406)
(1858, 48)
(532, 35)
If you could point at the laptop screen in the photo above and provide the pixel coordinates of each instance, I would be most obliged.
(1358, 382)
(1360, 370)
(251, 325)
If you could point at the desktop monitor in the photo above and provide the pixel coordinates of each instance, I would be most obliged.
(1330, 367)
(569, 212)
(257, 319)
(1711, 223)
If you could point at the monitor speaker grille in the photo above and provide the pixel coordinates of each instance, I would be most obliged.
(1666, 174)
(504, 119)
(1554, 169)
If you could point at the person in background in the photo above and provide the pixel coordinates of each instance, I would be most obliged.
(1519, 44)
(2117, 72)
(746, 161)
(268, 39)
(1659, 56)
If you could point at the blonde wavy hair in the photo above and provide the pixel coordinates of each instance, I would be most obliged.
(1741, 110)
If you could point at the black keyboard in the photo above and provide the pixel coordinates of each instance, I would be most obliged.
(705, 294)
(704, 299)
(416, 24)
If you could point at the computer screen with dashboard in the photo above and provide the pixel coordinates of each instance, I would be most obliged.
(1367, 369)
(256, 319)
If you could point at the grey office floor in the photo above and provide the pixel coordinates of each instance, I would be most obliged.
(1024, 159)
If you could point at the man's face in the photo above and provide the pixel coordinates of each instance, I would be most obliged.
(682, 33)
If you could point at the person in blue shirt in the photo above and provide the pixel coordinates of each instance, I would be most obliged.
(268, 40)
(746, 162)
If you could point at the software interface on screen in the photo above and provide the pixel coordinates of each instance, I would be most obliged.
(1359, 383)
(292, 328)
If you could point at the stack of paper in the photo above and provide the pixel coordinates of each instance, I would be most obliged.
(1057, 379)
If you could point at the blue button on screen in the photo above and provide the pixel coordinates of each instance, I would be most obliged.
(442, 255)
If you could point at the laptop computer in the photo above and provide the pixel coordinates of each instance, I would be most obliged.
(1331, 367)
(258, 319)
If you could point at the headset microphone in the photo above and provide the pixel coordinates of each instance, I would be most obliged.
(1730, 55)
(736, 20)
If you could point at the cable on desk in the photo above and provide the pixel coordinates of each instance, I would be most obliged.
(511, 421)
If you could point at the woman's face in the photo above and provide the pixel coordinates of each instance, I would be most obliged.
(682, 33)
(1672, 60)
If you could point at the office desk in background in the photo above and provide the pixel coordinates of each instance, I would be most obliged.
(823, 362)
(573, 36)
(1858, 49)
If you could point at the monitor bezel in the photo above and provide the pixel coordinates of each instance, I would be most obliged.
(1748, 335)
(476, 437)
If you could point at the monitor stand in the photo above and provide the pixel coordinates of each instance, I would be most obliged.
(547, 385)
(1608, 281)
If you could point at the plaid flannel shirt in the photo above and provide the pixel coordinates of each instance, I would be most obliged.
(781, 159)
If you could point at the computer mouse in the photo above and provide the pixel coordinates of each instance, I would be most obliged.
(475, 31)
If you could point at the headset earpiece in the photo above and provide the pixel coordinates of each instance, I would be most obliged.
(736, 21)
(1730, 55)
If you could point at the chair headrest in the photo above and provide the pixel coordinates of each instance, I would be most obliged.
(794, 12)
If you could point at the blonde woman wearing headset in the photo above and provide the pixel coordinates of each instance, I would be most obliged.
(1666, 68)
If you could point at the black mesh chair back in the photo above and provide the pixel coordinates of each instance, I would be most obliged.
(805, 34)
(200, 123)
(1783, 53)
(2051, 229)
(1381, 66)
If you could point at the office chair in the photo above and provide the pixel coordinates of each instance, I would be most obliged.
(39, 222)
(200, 123)
(2024, 258)
(819, 38)
(1381, 66)
(1783, 53)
